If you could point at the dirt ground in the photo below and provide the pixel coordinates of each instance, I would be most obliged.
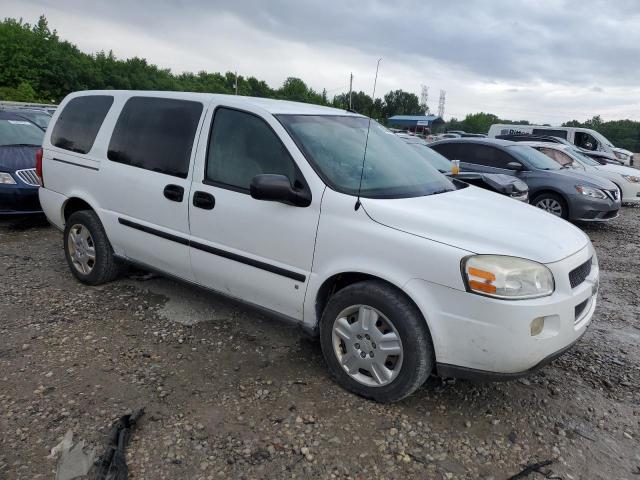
(229, 393)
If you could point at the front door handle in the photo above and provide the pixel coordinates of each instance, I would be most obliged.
(204, 200)
(175, 193)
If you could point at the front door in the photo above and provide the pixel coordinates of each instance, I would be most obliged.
(258, 251)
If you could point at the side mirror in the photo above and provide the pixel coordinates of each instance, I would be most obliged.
(515, 166)
(277, 188)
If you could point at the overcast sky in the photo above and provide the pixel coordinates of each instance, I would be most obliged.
(546, 61)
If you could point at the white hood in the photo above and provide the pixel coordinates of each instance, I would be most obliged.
(622, 170)
(480, 221)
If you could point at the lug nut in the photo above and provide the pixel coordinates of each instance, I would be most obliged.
(371, 354)
(367, 336)
(357, 346)
(373, 344)
(363, 354)
(359, 337)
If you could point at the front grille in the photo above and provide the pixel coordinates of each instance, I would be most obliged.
(28, 176)
(579, 274)
(580, 308)
(614, 194)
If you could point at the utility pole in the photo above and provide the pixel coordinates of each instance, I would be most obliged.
(236, 85)
(350, 90)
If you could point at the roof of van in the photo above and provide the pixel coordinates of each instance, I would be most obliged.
(268, 104)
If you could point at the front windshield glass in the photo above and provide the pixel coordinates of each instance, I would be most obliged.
(39, 118)
(334, 145)
(533, 157)
(434, 158)
(582, 158)
(601, 138)
(19, 132)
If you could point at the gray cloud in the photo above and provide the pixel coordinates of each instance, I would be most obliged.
(537, 53)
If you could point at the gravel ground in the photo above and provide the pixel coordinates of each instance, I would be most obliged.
(232, 394)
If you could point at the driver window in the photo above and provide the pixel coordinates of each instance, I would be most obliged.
(241, 146)
(586, 141)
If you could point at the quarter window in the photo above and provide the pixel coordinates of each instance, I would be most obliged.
(78, 124)
(241, 146)
(156, 134)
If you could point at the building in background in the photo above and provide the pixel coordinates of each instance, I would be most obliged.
(419, 124)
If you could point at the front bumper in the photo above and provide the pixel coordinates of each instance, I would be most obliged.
(630, 192)
(586, 209)
(492, 338)
(19, 199)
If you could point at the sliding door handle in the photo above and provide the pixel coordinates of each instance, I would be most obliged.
(175, 193)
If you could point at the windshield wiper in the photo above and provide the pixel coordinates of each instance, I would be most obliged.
(21, 145)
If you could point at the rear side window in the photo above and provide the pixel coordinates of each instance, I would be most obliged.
(80, 121)
(242, 146)
(453, 151)
(474, 154)
(156, 134)
(551, 133)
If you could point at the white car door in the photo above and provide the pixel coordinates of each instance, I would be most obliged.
(255, 250)
(147, 180)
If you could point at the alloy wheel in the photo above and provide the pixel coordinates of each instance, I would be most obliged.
(81, 249)
(550, 205)
(367, 345)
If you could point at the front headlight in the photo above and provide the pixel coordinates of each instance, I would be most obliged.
(509, 278)
(590, 192)
(621, 156)
(631, 178)
(6, 179)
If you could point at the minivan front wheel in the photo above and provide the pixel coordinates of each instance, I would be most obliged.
(376, 342)
(553, 204)
(87, 249)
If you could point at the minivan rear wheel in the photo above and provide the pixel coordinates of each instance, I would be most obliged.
(376, 342)
(552, 203)
(87, 249)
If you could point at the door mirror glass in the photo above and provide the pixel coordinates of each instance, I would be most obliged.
(277, 188)
(515, 166)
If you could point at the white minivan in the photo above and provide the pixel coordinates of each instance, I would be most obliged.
(401, 271)
(580, 137)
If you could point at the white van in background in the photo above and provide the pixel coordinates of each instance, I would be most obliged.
(581, 137)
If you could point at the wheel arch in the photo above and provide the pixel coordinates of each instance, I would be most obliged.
(338, 281)
(74, 204)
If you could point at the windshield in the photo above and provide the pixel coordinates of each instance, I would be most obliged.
(334, 145)
(582, 158)
(533, 157)
(19, 132)
(601, 138)
(39, 118)
(434, 158)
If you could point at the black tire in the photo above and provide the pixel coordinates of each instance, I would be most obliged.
(418, 355)
(552, 196)
(105, 267)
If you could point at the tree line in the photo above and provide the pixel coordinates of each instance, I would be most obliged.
(37, 66)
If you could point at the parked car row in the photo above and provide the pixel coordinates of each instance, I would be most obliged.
(571, 194)
(584, 138)
(325, 218)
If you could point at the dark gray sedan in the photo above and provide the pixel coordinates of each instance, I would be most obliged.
(575, 196)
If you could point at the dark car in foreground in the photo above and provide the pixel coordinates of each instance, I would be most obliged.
(569, 194)
(503, 184)
(19, 141)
